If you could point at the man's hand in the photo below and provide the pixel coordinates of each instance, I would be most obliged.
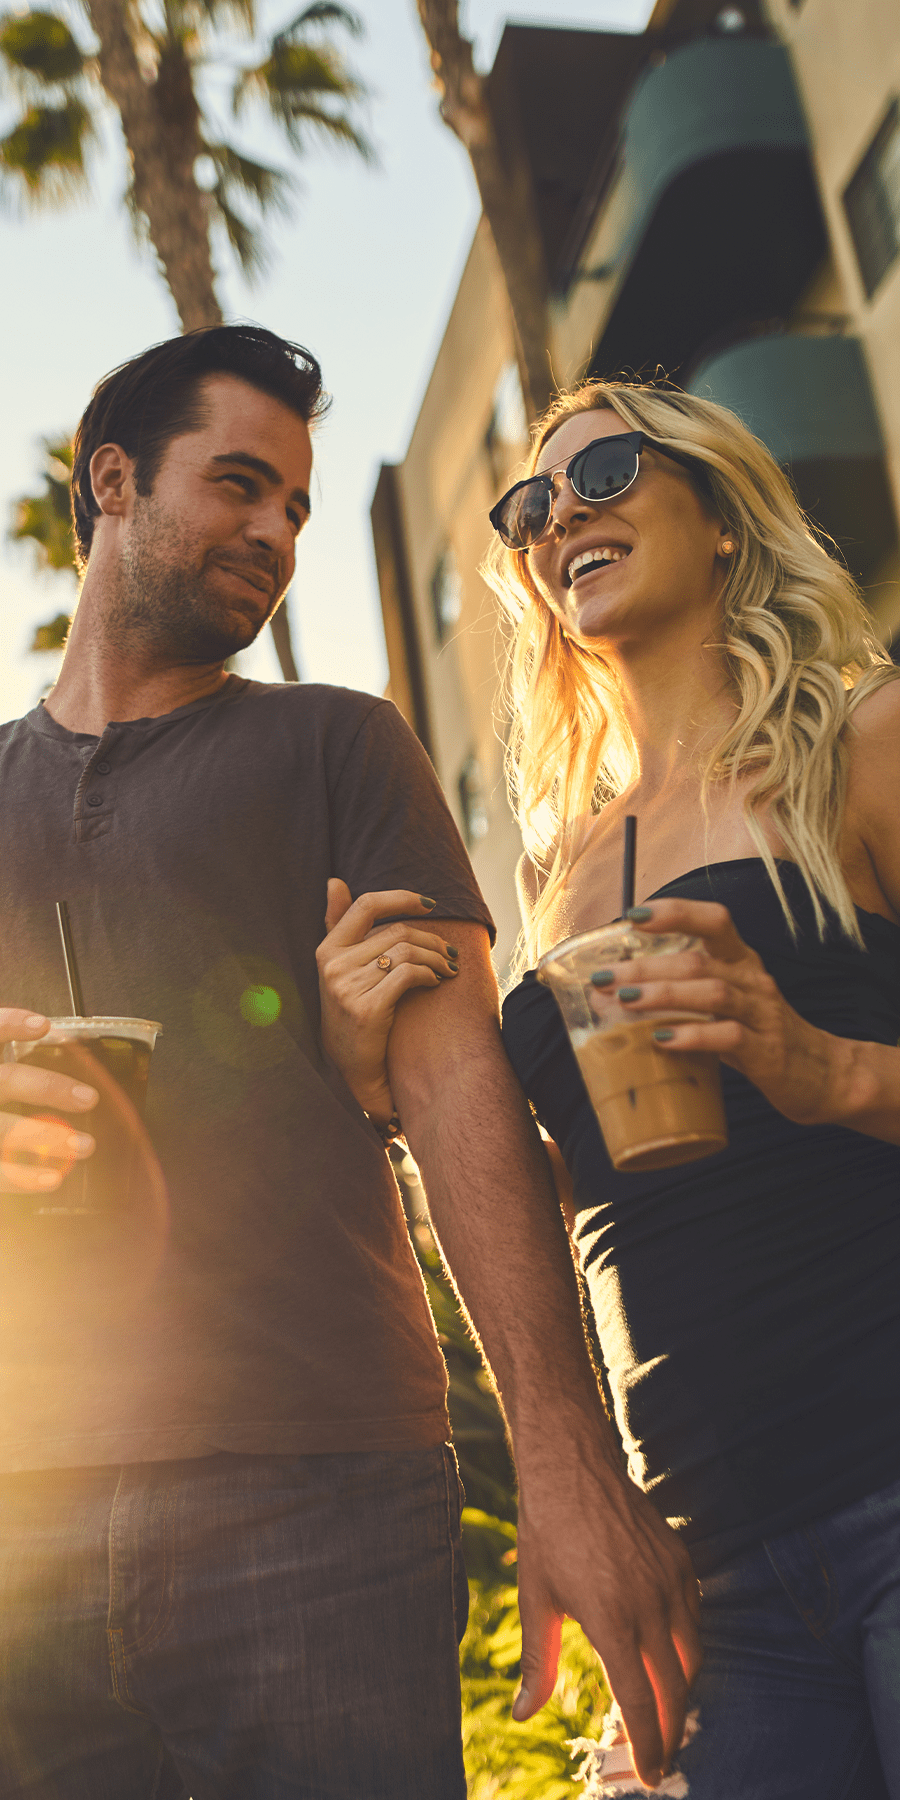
(590, 1544)
(37, 1151)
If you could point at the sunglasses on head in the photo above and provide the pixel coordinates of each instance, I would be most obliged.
(600, 471)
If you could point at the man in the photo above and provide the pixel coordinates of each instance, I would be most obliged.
(229, 1527)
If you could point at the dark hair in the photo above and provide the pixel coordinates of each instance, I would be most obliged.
(156, 397)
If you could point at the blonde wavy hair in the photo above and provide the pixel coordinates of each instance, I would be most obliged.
(797, 643)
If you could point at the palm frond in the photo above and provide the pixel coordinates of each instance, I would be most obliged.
(323, 12)
(45, 151)
(247, 244)
(53, 635)
(39, 51)
(46, 518)
(294, 81)
(333, 125)
(270, 188)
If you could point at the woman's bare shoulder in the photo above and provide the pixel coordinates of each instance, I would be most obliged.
(875, 710)
(873, 733)
(871, 819)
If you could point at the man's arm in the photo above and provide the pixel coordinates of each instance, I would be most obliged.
(590, 1544)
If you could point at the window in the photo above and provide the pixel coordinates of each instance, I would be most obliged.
(872, 203)
(507, 430)
(472, 801)
(446, 594)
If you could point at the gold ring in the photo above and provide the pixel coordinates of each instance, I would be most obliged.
(383, 962)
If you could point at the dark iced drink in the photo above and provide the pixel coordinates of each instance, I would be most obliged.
(113, 1056)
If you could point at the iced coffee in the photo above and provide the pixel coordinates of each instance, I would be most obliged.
(655, 1108)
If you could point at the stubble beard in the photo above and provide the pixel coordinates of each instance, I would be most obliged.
(166, 601)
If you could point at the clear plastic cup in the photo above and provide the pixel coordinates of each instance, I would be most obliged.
(654, 1108)
(112, 1055)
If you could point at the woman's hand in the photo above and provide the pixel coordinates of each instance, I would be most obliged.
(37, 1151)
(800, 1069)
(364, 971)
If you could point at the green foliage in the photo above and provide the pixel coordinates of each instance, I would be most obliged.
(46, 149)
(46, 517)
(268, 188)
(41, 45)
(300, 82)
(504, 1761)
(53, 635)
(530, 1761)
(304, 85)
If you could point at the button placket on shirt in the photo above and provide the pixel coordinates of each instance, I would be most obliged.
(96, 792)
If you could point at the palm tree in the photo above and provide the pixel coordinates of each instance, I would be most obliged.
(46, 519)
(507, 199)
(188, 182)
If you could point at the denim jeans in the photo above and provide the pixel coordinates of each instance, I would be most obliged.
(233, 1628)
(799, 1694)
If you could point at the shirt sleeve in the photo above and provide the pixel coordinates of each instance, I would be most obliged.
(391, 826)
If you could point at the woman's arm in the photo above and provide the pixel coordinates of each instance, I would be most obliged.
(364, 971)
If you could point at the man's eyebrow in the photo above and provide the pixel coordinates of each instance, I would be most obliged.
(266, 469)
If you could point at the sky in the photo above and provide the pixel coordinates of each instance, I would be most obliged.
(363, 273)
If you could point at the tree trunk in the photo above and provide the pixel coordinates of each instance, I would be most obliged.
(160, 120)
(161, 124)
(506, 195)
(280, 627)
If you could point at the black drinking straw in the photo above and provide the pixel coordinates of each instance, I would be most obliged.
(65, 932)
(628, 863)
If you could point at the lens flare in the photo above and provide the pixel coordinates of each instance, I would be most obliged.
(260, 1005)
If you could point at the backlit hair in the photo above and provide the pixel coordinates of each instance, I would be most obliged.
(798, 646)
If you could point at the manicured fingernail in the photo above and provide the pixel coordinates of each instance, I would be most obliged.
(79, 1142)
(452, 970)
(602, 978)
(663, 1035)
(639, 913)
(424, 901)
(82, 1092)
(34, 1020)
(452, 950)
(520, 1703)
(630, 993)
(45, 1178)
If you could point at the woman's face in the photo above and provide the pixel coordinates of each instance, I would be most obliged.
(667, 564)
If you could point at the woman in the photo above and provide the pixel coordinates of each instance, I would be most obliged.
(685, 651)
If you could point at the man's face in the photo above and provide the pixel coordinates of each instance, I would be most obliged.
(209, 553)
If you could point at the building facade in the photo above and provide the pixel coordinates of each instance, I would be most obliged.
(717, 202)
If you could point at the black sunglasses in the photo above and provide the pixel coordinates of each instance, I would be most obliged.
(603, 469)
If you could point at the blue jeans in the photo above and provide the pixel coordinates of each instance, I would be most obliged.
(799, 1694)
(233, 1628)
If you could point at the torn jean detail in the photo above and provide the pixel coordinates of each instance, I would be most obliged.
(608, 1769)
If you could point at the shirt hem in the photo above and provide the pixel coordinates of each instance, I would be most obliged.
(289, 1437)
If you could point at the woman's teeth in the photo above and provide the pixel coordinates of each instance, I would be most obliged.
(594, 559)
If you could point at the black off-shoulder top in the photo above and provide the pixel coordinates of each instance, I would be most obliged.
(747, 1305)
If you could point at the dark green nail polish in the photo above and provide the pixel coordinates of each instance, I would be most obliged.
(424, 901)
(639, 913)
(602, 978)
(630, 993)
(452, 950)
(663, 1035)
